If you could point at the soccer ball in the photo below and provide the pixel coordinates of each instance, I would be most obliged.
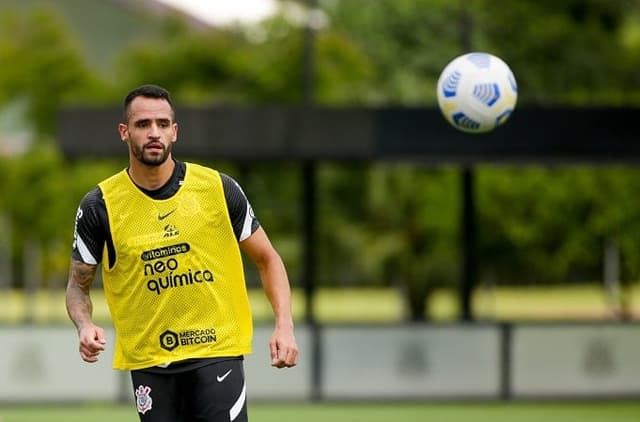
(477, 92)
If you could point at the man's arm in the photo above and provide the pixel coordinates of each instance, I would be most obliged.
(80, 310)
(284, 350)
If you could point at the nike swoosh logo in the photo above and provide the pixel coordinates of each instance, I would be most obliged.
(163, 216)
(221, 378)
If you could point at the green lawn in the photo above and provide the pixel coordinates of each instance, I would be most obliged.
(371, 304)
(587, 411)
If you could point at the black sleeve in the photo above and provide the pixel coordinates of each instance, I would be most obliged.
(243, 220)
(91, 231)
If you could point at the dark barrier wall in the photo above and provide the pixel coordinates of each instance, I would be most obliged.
(252, 133)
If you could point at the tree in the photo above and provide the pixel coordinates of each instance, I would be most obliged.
(45, 69)
(46, 65)
(574, 58)
(389, 232)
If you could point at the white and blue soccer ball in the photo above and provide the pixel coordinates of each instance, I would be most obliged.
(477, 92)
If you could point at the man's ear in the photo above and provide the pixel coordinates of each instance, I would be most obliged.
(175, 132)
(122, 130)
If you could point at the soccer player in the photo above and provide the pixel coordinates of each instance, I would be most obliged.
(169, 235)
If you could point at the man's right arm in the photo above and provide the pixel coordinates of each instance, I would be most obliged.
(88, 240)
(78, 298)
(80, 309)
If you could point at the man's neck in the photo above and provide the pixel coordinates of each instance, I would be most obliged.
(151, 177)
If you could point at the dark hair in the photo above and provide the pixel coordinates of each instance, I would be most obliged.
(147, 91)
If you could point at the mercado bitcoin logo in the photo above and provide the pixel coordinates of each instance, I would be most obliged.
(191, 337)
(168, 340)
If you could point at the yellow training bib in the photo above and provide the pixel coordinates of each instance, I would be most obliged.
(177, 288)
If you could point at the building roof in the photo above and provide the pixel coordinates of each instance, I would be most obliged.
(163, 10)
(105, 27)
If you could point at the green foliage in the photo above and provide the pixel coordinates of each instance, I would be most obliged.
(199, 68)
(41, 193)
(37, 179)
(555, 222)
(570, 52)
(44, 65)
(275, 192)
(231, 66)
(380, 223)
(407, 41)
(398, 226)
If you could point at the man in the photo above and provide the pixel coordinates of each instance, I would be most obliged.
(169, 237)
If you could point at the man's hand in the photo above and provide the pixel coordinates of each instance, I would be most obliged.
(92, 342)
(284, 350)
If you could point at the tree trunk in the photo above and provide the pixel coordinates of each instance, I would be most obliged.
(416, 299)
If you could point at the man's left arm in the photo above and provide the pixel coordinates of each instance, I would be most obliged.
(283, 346)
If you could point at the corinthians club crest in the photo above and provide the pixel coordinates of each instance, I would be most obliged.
(143, 399)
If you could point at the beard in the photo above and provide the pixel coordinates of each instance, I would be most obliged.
(151, 158)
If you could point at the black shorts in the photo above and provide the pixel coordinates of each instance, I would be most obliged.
(215, 392)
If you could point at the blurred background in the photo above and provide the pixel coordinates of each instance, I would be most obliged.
(534, 294)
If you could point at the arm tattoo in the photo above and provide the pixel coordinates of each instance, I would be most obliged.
(78, 300)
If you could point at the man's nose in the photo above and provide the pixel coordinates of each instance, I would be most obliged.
(154, 130)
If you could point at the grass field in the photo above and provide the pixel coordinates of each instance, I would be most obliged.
(587, 411)
(371, 304)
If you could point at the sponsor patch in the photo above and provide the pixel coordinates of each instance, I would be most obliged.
(169, 340)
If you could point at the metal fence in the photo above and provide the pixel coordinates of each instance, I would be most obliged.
(365, 362)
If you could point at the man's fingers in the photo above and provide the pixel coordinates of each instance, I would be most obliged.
(100, 338)
(273, 349)
(88, 355)
(92, 342)
(284, 357)
(291, 358)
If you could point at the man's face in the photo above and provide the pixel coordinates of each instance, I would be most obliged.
(149, 131)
